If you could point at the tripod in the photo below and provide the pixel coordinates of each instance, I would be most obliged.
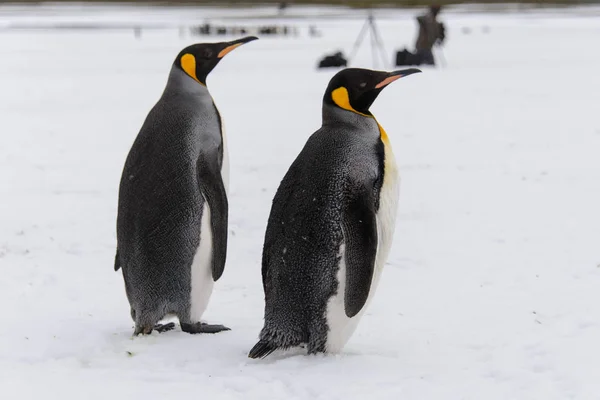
(376, 42)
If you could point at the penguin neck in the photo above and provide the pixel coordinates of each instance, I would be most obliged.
(180, 83)
(335, 115)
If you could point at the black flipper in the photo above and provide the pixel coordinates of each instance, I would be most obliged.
(360, 237)
(262, 349)
(213, 190)
(117, 261)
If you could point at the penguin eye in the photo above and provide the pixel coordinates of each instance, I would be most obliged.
(207, 53)
(363, 85)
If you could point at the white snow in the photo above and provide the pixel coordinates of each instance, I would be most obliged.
(492, 287)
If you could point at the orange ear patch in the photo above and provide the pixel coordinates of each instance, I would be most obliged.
(188, 64)
(341, 98)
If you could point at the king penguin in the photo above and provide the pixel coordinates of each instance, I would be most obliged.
(172, 206)
(332, 222)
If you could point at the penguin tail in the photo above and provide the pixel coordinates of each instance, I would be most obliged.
(262, 349)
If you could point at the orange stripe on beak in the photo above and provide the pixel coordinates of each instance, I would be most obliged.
(228, 49)
(387, 81)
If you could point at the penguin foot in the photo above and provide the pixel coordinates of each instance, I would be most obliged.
(142, 330)
(161, 328)
(202, 327)
(147, 330)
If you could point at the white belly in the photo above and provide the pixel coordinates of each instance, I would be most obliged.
(341, 327)
(202, 279)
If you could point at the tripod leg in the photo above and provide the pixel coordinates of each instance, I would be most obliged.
(373, 49)
(379, 44)
(359, 39)
(440, 56)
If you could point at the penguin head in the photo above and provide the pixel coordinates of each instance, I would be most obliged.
(199, 59)
(355, 89)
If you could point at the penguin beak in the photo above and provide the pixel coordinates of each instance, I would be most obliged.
(395, 75)
(229, 46)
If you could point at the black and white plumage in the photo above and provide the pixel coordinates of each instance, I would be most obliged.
(173, 206)
(331, 223)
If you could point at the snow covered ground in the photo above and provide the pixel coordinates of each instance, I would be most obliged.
(492, 289)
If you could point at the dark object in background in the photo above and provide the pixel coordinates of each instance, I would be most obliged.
(313, 32)
(220, 30)
(204, 29)
(431, 32)
(405, 57)
(442, 35)
(423, 57)
(333, 60)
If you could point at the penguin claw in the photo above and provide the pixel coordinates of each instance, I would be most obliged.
(161, 328)
(203, 327)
